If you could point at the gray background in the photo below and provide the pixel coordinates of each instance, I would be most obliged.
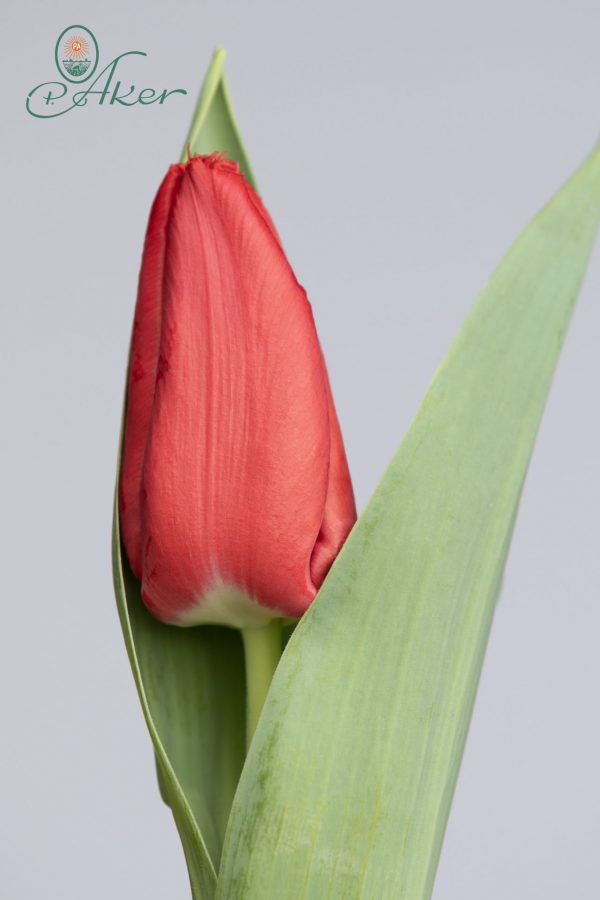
(400, 148)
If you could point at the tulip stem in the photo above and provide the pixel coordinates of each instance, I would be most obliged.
(262, 650)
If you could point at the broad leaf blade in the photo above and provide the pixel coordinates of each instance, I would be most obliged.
(348, 783)
(191, 682)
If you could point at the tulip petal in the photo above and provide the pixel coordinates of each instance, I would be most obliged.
(340, 509)
(245, 495)
(145, 344)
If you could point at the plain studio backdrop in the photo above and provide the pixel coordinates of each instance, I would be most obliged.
(400, 147)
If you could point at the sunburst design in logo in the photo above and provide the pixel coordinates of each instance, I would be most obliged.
(76, 47)
(76, 54)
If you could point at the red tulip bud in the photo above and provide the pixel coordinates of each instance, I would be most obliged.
(235, 495)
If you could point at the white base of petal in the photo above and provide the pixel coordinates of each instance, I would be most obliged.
(227, 605)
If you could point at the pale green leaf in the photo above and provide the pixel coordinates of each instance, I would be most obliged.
(213, 125)
(191, 682)
(348, 783)
(192, 690)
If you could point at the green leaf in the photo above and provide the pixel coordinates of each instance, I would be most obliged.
(213, 125)
(192, 690)
(191, 682)
(348, 782)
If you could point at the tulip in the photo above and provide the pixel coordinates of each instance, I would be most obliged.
(235, 495)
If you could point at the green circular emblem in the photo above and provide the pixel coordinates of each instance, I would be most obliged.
(76, 53)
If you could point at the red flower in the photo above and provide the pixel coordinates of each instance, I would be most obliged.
(235, 495)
